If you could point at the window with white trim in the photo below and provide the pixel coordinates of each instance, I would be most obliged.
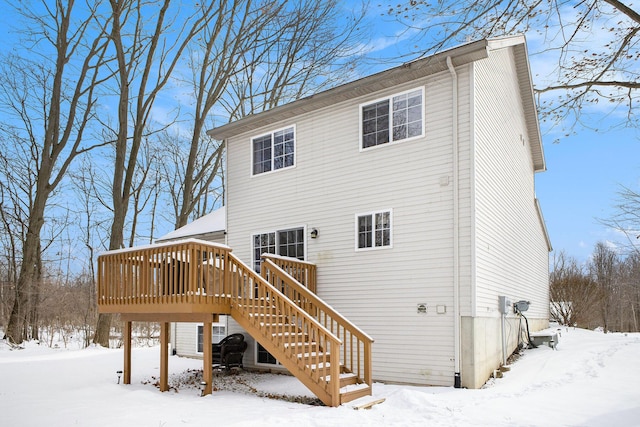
(273, 151)
(218, 332)
(373, 230)
(289, 242)
(396, 118)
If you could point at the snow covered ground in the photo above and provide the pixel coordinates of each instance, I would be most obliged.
(592, 379)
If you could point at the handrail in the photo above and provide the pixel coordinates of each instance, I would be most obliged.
(355, 341)
(255, 298)
(304, 272)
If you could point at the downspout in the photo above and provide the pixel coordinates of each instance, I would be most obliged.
(456, 214)
(225, 202)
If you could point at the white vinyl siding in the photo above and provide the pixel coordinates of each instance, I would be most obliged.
(188, 336)
(332, 181)
(511, 251)
(335, 179)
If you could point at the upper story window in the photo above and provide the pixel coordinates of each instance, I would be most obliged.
(273, 151)
(373, 230)
(393, 119)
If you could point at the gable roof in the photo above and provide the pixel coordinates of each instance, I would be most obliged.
(436, 63)
(214, 222)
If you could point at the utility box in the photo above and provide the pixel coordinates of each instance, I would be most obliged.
(521, 306)
(504, 304)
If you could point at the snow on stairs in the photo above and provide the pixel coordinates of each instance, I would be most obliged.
(351, 387)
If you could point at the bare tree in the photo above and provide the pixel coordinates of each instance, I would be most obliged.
(205, 185)
(604, 271)
(574, 294)
(255, 56)
(12, 232)
(626, 218)
(634, 288)
(49, 104)
(147, 50)
(310, 47)
(594, 44)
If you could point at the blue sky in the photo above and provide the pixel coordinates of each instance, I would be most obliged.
(584, 170)
(584, 173)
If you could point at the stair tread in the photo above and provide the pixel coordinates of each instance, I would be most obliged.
(277, 324)
(354, 387)
(313, 354)
(301, 343)
(342, 376)
(345, 379)
(321, 365)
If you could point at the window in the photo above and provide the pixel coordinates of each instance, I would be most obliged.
(393, 119)
(289, 242)
(373, 230)
(265, 357)
(218, 332)
(263, 243)
(273, 151)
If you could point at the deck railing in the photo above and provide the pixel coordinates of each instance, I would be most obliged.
(191, 274)
(355, 354)
(197, 276)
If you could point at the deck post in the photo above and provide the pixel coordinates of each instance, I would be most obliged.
(207, 369)
(127, 352)
(164, 356)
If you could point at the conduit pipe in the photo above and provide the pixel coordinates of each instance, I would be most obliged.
(456, 219)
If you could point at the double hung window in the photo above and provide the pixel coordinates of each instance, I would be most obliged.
(273, 151)
(373, 230)
(393, 119)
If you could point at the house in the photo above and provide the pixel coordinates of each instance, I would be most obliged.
(412, 192)
(400, 207)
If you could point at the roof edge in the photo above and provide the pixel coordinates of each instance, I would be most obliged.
(432, 64)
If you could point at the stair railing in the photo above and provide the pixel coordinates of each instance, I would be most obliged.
(254, 300)
(355, 353)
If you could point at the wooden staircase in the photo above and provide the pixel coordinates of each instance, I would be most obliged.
(195, 281)
(286, 320)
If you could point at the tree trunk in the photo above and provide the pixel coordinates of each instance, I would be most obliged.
(103, 327)
(28, 279)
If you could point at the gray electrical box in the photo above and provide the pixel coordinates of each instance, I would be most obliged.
(504, 304)
(521, 306)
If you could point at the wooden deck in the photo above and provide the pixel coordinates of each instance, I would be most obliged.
(196, 281)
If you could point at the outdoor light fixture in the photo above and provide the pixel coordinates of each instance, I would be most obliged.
(204, 385)
(119, 373)
(314, 233)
